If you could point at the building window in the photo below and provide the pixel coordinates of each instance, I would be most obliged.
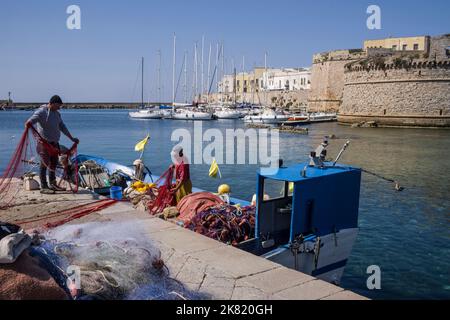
(416, 46)
(447, 51)
(404, 47)
(394, 47)
(279, 84)
(237, 83)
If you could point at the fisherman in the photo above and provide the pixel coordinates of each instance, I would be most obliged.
(183, 185)
(49, 126)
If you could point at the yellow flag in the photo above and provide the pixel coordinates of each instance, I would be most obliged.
(141, 144)
(214, 169)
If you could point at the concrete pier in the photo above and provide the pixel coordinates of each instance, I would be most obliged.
(206, 266)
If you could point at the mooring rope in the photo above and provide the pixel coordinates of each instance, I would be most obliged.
(396, 184)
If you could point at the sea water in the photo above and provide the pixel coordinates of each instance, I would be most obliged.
(405, 233)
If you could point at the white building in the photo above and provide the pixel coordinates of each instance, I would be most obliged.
(288, 79)
(226, 84)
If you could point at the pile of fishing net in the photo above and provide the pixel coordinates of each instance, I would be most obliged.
(228, 224)
(114, 261)
(25, 160)
(197, 202)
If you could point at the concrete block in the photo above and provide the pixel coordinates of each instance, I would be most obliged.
(249, 293)
(345, 295)
(311, 290)
(236, 262)
(275, 280)
(184, 241)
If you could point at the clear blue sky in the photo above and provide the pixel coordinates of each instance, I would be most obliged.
(39, 56)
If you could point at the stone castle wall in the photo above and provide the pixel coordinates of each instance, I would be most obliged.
(327, 79)
(397, 93)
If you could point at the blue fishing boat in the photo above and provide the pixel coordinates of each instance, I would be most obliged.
(306, 214)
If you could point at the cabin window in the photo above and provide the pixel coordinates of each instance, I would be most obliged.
(274, 189)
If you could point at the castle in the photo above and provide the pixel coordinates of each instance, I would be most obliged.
(391, 82)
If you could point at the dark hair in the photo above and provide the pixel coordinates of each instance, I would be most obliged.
(56, 100)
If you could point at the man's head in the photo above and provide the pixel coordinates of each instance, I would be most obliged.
(55, 103)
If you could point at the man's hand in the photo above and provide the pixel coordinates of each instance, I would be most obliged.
(76, 140)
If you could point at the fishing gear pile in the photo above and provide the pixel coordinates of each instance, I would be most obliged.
(113, 260)
(228, 224)
(24, 160)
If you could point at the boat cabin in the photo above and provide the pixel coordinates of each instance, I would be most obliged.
(303, 201)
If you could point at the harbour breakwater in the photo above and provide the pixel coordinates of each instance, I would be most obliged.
(78, 105)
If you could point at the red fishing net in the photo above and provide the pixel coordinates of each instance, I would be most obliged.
(165, 197)
(25, 160)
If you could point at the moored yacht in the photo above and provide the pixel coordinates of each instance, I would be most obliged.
(268, 116)
(146, 114)
(191, 114)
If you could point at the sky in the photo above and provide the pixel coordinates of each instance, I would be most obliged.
(40, 56)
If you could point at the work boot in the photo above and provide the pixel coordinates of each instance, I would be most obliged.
(46, 190)
(54, 186)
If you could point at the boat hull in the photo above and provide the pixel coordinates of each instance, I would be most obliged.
(145, 115)
(332, 258)
(192, 116)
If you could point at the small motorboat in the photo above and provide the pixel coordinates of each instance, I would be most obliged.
(322, 117)
(296, 120)
(268, 116)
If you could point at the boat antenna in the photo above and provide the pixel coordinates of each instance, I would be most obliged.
(341, 152)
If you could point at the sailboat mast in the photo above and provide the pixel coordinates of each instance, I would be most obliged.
(222, 73)
(202, 88)
(196, 72)
(265, 78)
(142, 82)
(173, 67)
(234, 83)
(209, 72)
(243, 68)
(185, 77)
(159, 76)
(216, 67)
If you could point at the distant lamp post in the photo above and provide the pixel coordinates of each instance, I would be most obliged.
(9, 98)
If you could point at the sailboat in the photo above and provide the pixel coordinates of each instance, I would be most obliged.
(144, 113)
(186, 111)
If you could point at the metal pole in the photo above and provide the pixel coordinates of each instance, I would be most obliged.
(173, 67)
(159, 76)
(202, 67)
(142, 83)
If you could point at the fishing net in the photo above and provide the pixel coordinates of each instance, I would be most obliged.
(165, 197)
(25, 160)
(115, 261)
(228, 224)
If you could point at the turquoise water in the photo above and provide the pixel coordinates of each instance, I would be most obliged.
(405, 233)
